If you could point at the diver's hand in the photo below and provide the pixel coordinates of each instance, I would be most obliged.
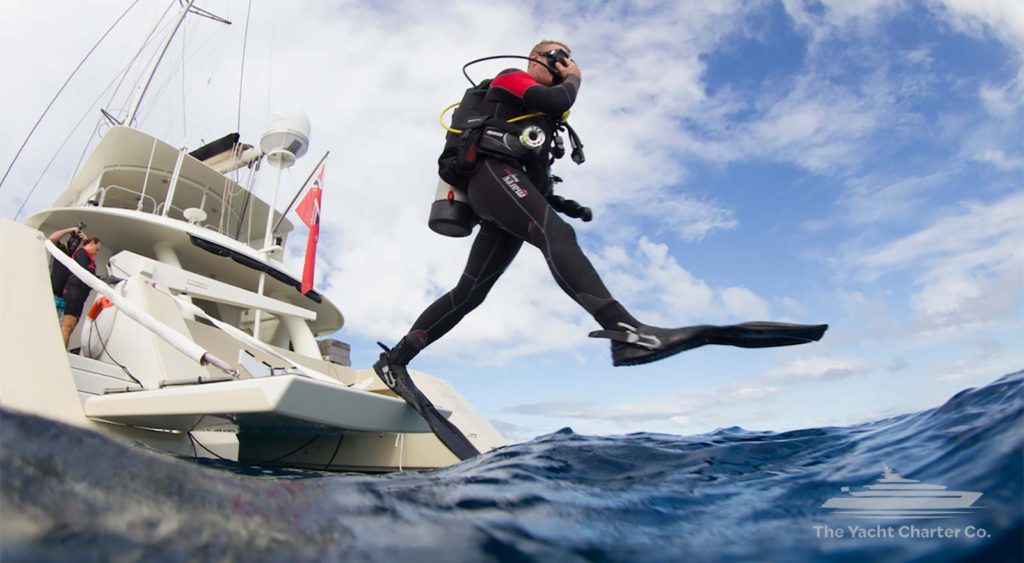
(568, 67)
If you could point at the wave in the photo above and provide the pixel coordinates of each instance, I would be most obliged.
(69, 493)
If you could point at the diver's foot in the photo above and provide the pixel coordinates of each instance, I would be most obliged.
(396, 377)
(643, 344)
(633, 346)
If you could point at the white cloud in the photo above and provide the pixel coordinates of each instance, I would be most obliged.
(659, 291)
(898, 364)
(740, 302)
(999, 102)
(998, 158)
(970, 264)
(824, 19)
(978, 371)
(873, 199)
(679, 410)
(690, 218)
(1003, 18)
(812, 122)
(702, 408)
(817, 368)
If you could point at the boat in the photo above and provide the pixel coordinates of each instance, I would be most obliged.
(211, 348)
(893, 495)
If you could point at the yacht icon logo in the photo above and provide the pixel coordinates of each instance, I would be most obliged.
(893, 496)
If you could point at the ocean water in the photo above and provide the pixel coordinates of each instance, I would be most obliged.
(72, 495)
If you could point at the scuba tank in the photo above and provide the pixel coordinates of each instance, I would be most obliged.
(450, 214)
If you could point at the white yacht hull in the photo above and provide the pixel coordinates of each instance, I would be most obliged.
(281, 419)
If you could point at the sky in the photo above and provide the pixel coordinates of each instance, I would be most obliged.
(853, 163)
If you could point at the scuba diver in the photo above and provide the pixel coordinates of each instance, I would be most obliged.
(508, 190)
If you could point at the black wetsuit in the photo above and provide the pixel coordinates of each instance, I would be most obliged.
(75, 290)
(509, 198)
(59, 273)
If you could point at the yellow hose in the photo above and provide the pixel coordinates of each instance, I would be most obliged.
(445, 125)
(513, 120)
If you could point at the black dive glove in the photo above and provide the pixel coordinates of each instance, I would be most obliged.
(570, 208)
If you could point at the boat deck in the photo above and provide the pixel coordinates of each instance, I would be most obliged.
(283, 404)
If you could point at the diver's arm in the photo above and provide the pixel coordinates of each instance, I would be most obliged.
(537, 97)
(552, 99)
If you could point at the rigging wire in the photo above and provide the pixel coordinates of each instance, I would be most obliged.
(273, 43)
(57, 152)
(241, 74)
(245, 204)
(184, 112)
(100, 121)
(275, 460)
(330, 462)
(159, 30)
(166, 83)
(123, 74)
(208, 450)
(61, 90)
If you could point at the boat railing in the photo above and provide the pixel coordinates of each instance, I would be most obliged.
(164, 205)
(183, 343)
(115, 195)
(142, 198)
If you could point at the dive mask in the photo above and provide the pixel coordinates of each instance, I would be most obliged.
(552, 57)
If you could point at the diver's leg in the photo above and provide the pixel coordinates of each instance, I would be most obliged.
(503, 194)
(492, 252)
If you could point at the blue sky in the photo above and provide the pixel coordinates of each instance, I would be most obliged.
(856, 163)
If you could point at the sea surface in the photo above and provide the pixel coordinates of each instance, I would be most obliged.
(730, 495)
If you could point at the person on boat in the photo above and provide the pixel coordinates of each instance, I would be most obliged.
(508, 197)
(75, 290)
(67, 240)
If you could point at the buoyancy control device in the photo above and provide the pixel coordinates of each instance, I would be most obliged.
(472, 134)
(450, 214)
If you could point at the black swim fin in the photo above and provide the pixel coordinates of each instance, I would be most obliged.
(397, 378)
(644, 344)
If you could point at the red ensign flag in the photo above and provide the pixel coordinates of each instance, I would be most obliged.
(309, 211)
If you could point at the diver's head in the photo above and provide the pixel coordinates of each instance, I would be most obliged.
(547, 52)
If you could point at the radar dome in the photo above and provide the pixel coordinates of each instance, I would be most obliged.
(286, 137)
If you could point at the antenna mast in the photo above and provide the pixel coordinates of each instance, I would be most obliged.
(186, 8)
